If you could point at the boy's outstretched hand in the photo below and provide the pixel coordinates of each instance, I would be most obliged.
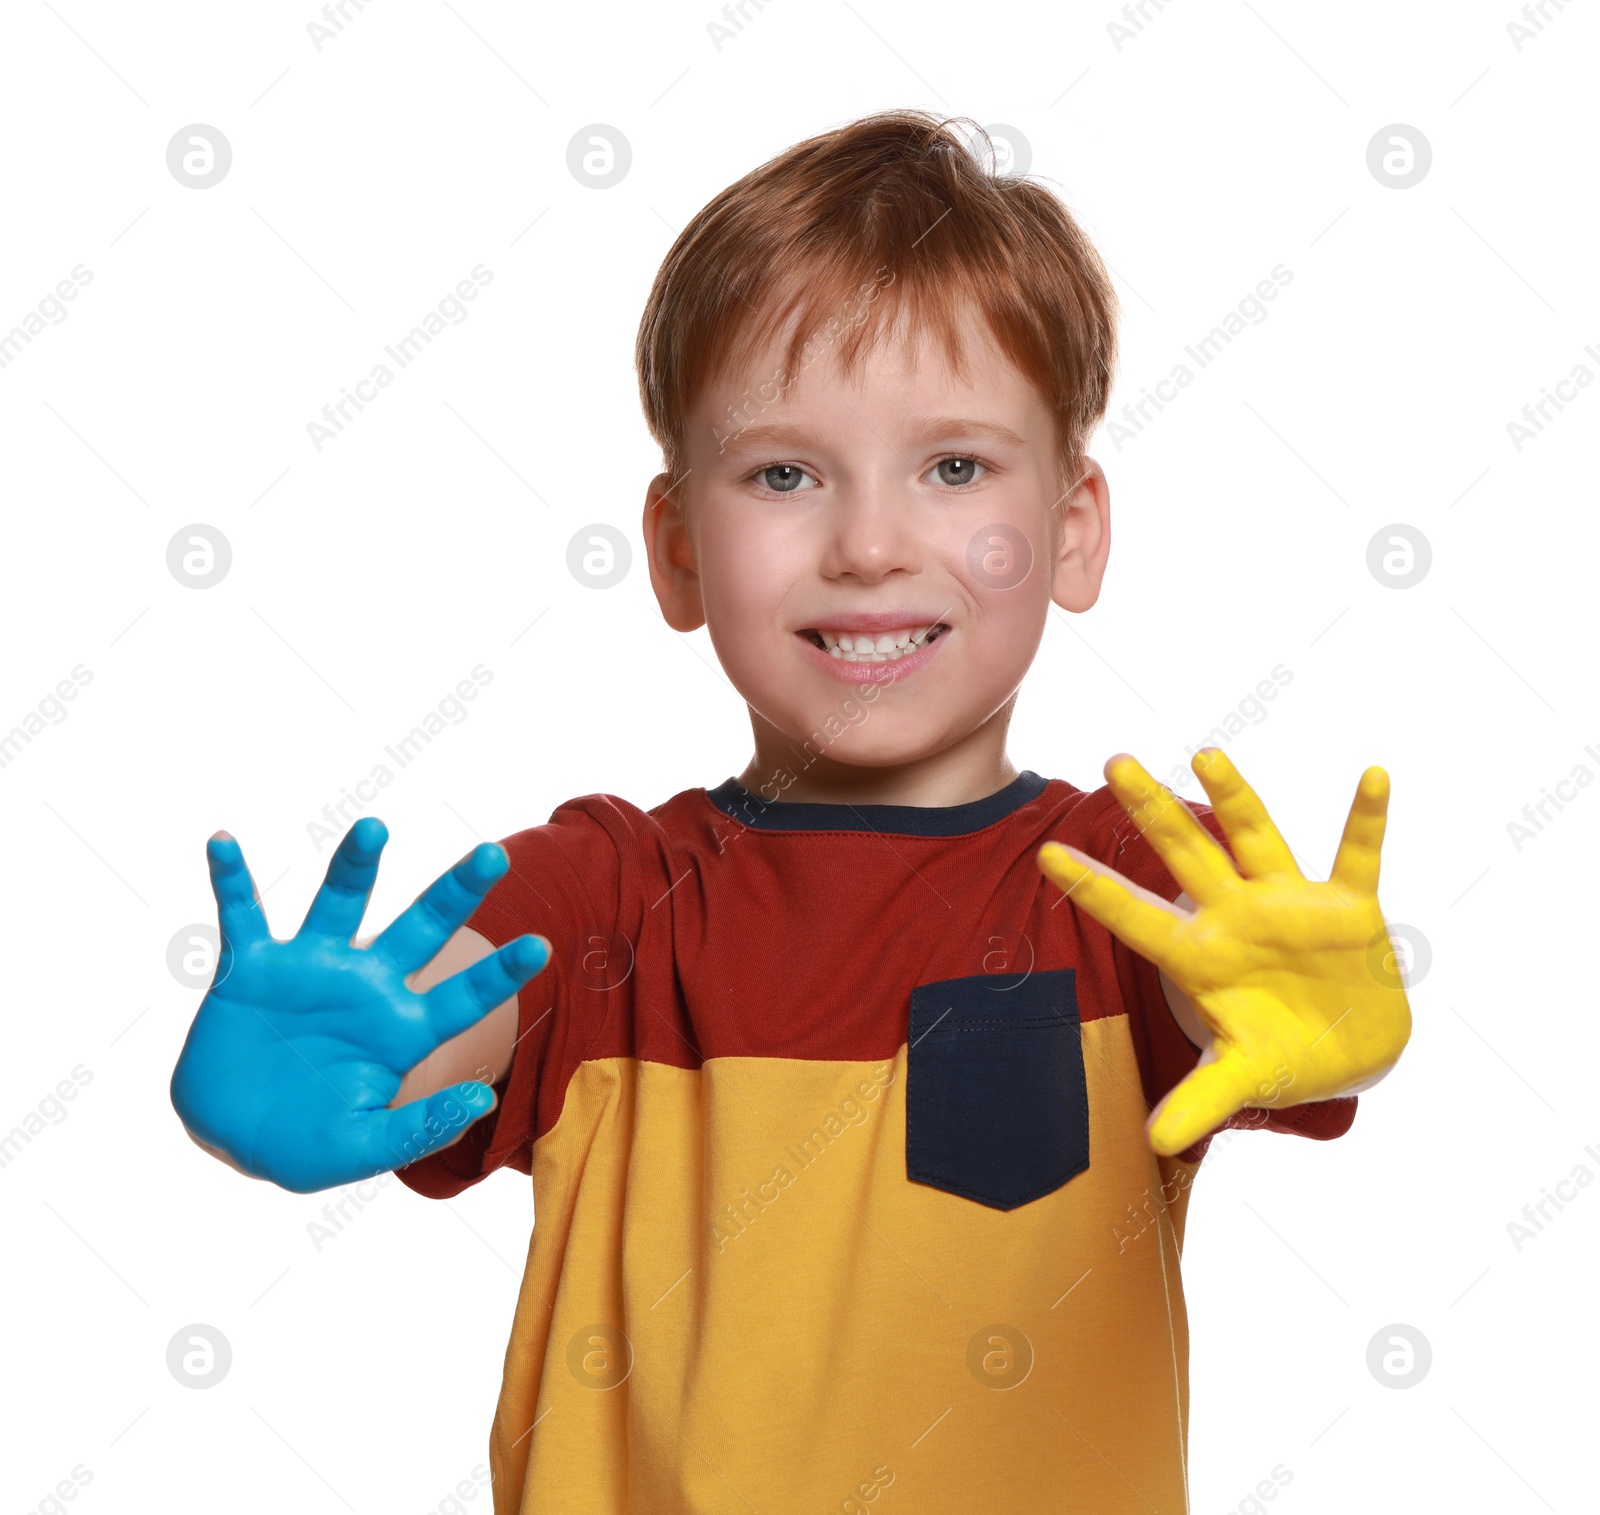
(299, 1045)
(1291, 976)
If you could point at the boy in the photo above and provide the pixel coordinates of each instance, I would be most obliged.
(837, 1107)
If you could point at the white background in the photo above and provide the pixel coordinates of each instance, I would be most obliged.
(368, 578)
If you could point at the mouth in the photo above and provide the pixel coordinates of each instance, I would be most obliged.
(888, 645)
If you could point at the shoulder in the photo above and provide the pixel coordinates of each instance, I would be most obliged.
(1096, 822)
(605, 839)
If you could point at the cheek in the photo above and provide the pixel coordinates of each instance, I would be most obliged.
(745, 577)
(1011, 624)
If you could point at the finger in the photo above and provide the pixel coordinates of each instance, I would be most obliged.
(1256, 841)
(1144, 921)
(239, 912)
(1355, 865)
(466, 997)
(395, 1138)
(1190, 852)
(342, 900)
(1202, 1101)
(415, 936)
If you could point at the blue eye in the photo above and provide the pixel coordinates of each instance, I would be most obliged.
(964, 465)
(956, 473)
(789, 473)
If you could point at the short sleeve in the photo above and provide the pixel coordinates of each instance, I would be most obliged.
(567, 883)
(1165, 1054)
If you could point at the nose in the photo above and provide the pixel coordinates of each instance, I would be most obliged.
(870, 534)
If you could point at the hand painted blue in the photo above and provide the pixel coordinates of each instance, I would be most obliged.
(299, 1045)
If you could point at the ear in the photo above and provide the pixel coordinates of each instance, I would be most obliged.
(1082, 536)
(669, 551)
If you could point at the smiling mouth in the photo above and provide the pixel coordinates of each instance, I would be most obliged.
(879, 647)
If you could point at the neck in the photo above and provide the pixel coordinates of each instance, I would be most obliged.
(970, 769)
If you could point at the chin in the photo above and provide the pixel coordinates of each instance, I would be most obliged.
(856, 733)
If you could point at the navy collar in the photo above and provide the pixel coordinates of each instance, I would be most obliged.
(901, 820)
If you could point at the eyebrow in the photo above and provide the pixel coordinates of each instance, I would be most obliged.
(781, 433)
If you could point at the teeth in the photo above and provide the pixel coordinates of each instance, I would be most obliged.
(886, 648)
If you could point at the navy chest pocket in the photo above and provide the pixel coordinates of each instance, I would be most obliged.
(997, 1108)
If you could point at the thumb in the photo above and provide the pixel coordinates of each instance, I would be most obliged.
(396, 1138)
(1203, 1100)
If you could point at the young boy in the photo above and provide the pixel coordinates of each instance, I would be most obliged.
(849, 1193)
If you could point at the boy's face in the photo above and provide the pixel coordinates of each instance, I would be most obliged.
(908, 505)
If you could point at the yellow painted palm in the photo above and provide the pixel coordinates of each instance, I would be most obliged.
(1293, 977)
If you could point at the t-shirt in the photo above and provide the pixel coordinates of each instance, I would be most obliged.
(835, 1120)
